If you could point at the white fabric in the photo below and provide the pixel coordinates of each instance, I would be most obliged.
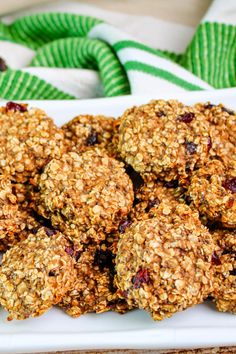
(152, 32)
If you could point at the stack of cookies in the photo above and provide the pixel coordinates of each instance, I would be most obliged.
(117, 214)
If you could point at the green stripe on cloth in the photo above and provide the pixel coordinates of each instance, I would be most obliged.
(211, 55)
(161, 53)
(18, 85)
(35, 30)
(162, 74)
(132, 44)
(85, 53)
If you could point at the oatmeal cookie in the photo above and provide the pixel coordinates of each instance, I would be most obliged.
(35, 274)
(16, 220)
(224, 260)
(222, 130)
(163, 264)
(150, 195)
(28, 140)
(213, 192)
(86, 131)
(164, 139)
(85, 195)
(93, 290)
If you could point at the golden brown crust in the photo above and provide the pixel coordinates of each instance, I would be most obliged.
(225, 270)
(164, 264)
(86, 131)
(212, 192)
(16, 219)
(94, 290)
(35, 274)
(163, 139)
(86, 195)
(28, 140)
(222, 131)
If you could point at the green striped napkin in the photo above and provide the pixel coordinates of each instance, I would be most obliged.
(62, 52)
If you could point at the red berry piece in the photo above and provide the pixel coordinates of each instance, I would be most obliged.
(215, 259)
(209, 143)
(3, 65)
(230, 184)
(13, 106)
(186, 117)
(141, 277)
(123, 225)
(69, 251)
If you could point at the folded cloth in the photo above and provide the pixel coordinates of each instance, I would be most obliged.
(61, 55)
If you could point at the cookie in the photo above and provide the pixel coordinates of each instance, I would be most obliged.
(28, 140)
(86, 195)
(35, 274)
(164, 139)
(163, 264)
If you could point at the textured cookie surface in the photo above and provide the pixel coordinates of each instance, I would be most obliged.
(85, 195)
(225, 270)
(164, 264)
(86, 131)
(28, 139)
(35, 274)
(213, 192)
(163, 139)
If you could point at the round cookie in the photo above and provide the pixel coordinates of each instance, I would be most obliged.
(163, 264)
(86, 131)
(212, 192)
(224, 260)
(93, 290)
(28, 140)
(164, 139)
(35, 274)
(16, 219)
(222, 130)
(86, 195)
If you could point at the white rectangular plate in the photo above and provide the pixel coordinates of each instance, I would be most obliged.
(201, 326)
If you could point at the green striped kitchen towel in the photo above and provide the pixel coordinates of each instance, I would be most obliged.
(61, 55)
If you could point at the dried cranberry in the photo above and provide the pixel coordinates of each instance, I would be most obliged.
(3, 65)
(229, 111)
(124, 294)
(123, 225)
(103, 259)
(160, 114)
(92, 139)
(135, 177)
(50, 232)
(230, 203)
(230, 184)
(209, 105)
(233, 272)
(172, 184)
(186, 117)
(191, 147)
(16, 107)
(209, 143)
(69, 251)
(151, 204)
(141, 277)
(215, 259)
